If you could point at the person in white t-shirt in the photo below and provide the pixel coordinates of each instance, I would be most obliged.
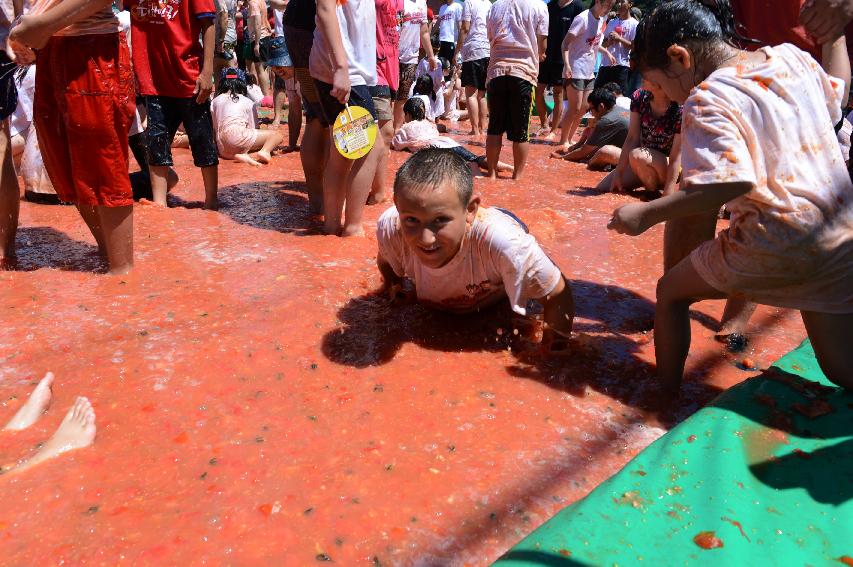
(343, 65)
(517, 30)
(414, 35)
(449, 18)
(459, 256)
(618, 39)
(474, 46)
(580, 47)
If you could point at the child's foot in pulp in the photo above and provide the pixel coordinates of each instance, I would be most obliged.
(263, 156)
(34, 407)
(76, 431)
(247, 159)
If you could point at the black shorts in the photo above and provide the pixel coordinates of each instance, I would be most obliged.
(327, 108)
(299, 44)
(618, 74)
(551, 73)
(165, 114)
(509, 100)
(446, 49)
(474, 73)
(8, 90)
(407, 79)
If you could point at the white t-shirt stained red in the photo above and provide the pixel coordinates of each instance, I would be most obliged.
(497, 259)
(513, 27)
(449, 16)
(476, 45)
(628, 30)
(167, 53)
(414, 15)
(588, 35)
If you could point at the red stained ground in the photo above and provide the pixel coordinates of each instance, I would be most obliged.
(257, 405)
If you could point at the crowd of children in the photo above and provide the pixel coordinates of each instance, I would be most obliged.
(713, 125)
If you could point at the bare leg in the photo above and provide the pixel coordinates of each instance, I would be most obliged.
(10, 200)
(679, 288)
(542, 110)
(736, 316)
(493, 154)
(294, 119)
(265, 143)
(93, 221)
(279, 99)
(557, 115)
(572, 119)
(484, 111)
(473, 110)
(76, 431)
(399, 116)
(650, 167)
(313, 153)
(830, 336)
(606, 155)
(377, 193)
(360, 180)
(263, 77)
(34, 407)
(159, 183)
(117, 226)
(519, 157)
(210, 175)
(335, 181)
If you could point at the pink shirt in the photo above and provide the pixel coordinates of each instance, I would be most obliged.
(388, 43)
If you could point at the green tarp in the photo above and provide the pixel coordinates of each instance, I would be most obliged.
(765, 473)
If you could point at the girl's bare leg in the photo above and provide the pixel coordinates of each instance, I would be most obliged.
(572, 119)
(265, 143)
(377, 191)
(650, 167)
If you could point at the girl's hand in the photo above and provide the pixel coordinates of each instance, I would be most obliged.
(630, 219)
(616, 186)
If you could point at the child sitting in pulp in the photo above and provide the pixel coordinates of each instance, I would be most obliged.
(235, 121)
(462, 257)
(790, 241)
(418, 133)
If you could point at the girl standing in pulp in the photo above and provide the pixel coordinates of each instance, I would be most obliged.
(757, 136)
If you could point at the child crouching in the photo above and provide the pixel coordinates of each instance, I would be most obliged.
(235, 121)
(462, 257)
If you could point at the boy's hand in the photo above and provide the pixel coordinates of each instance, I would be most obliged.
(400, 295)
(825, 20)
(203, 87)
(630, 219)
(30, 31)
(341, 85)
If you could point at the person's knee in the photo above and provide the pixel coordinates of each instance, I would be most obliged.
(639, 157)
(667, 293)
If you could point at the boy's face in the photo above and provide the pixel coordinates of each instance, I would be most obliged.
(434, 222)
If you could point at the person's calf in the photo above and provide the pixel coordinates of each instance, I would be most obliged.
(210, 175)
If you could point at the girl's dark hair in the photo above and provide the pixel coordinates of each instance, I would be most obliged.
(700, 25)
(425, 86)
(415, 108)
(234, 86)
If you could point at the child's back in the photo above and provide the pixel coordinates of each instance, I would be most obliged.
(770, 124)
(230, 111)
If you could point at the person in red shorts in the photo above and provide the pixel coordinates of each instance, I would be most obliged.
(83, 108)
(175, 74)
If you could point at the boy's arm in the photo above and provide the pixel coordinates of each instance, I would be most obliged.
(580, 153)
(222, 21)
(559, 312)
(327, 21)
(636, 218)
(204, 82)
(255, 29)
(464, 27)
(542, 41)
(34, 30)
(426, 43)
(603, 50)
(389, 277)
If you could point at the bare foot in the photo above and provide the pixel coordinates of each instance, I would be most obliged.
(352, 231)
(560, 152)
(550, 137)
(263, 156)
(76, 431)
(246, 158)
(331, 229)
(34, 407)
(211, 205)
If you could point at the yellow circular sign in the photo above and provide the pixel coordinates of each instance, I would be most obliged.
(354, 132)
